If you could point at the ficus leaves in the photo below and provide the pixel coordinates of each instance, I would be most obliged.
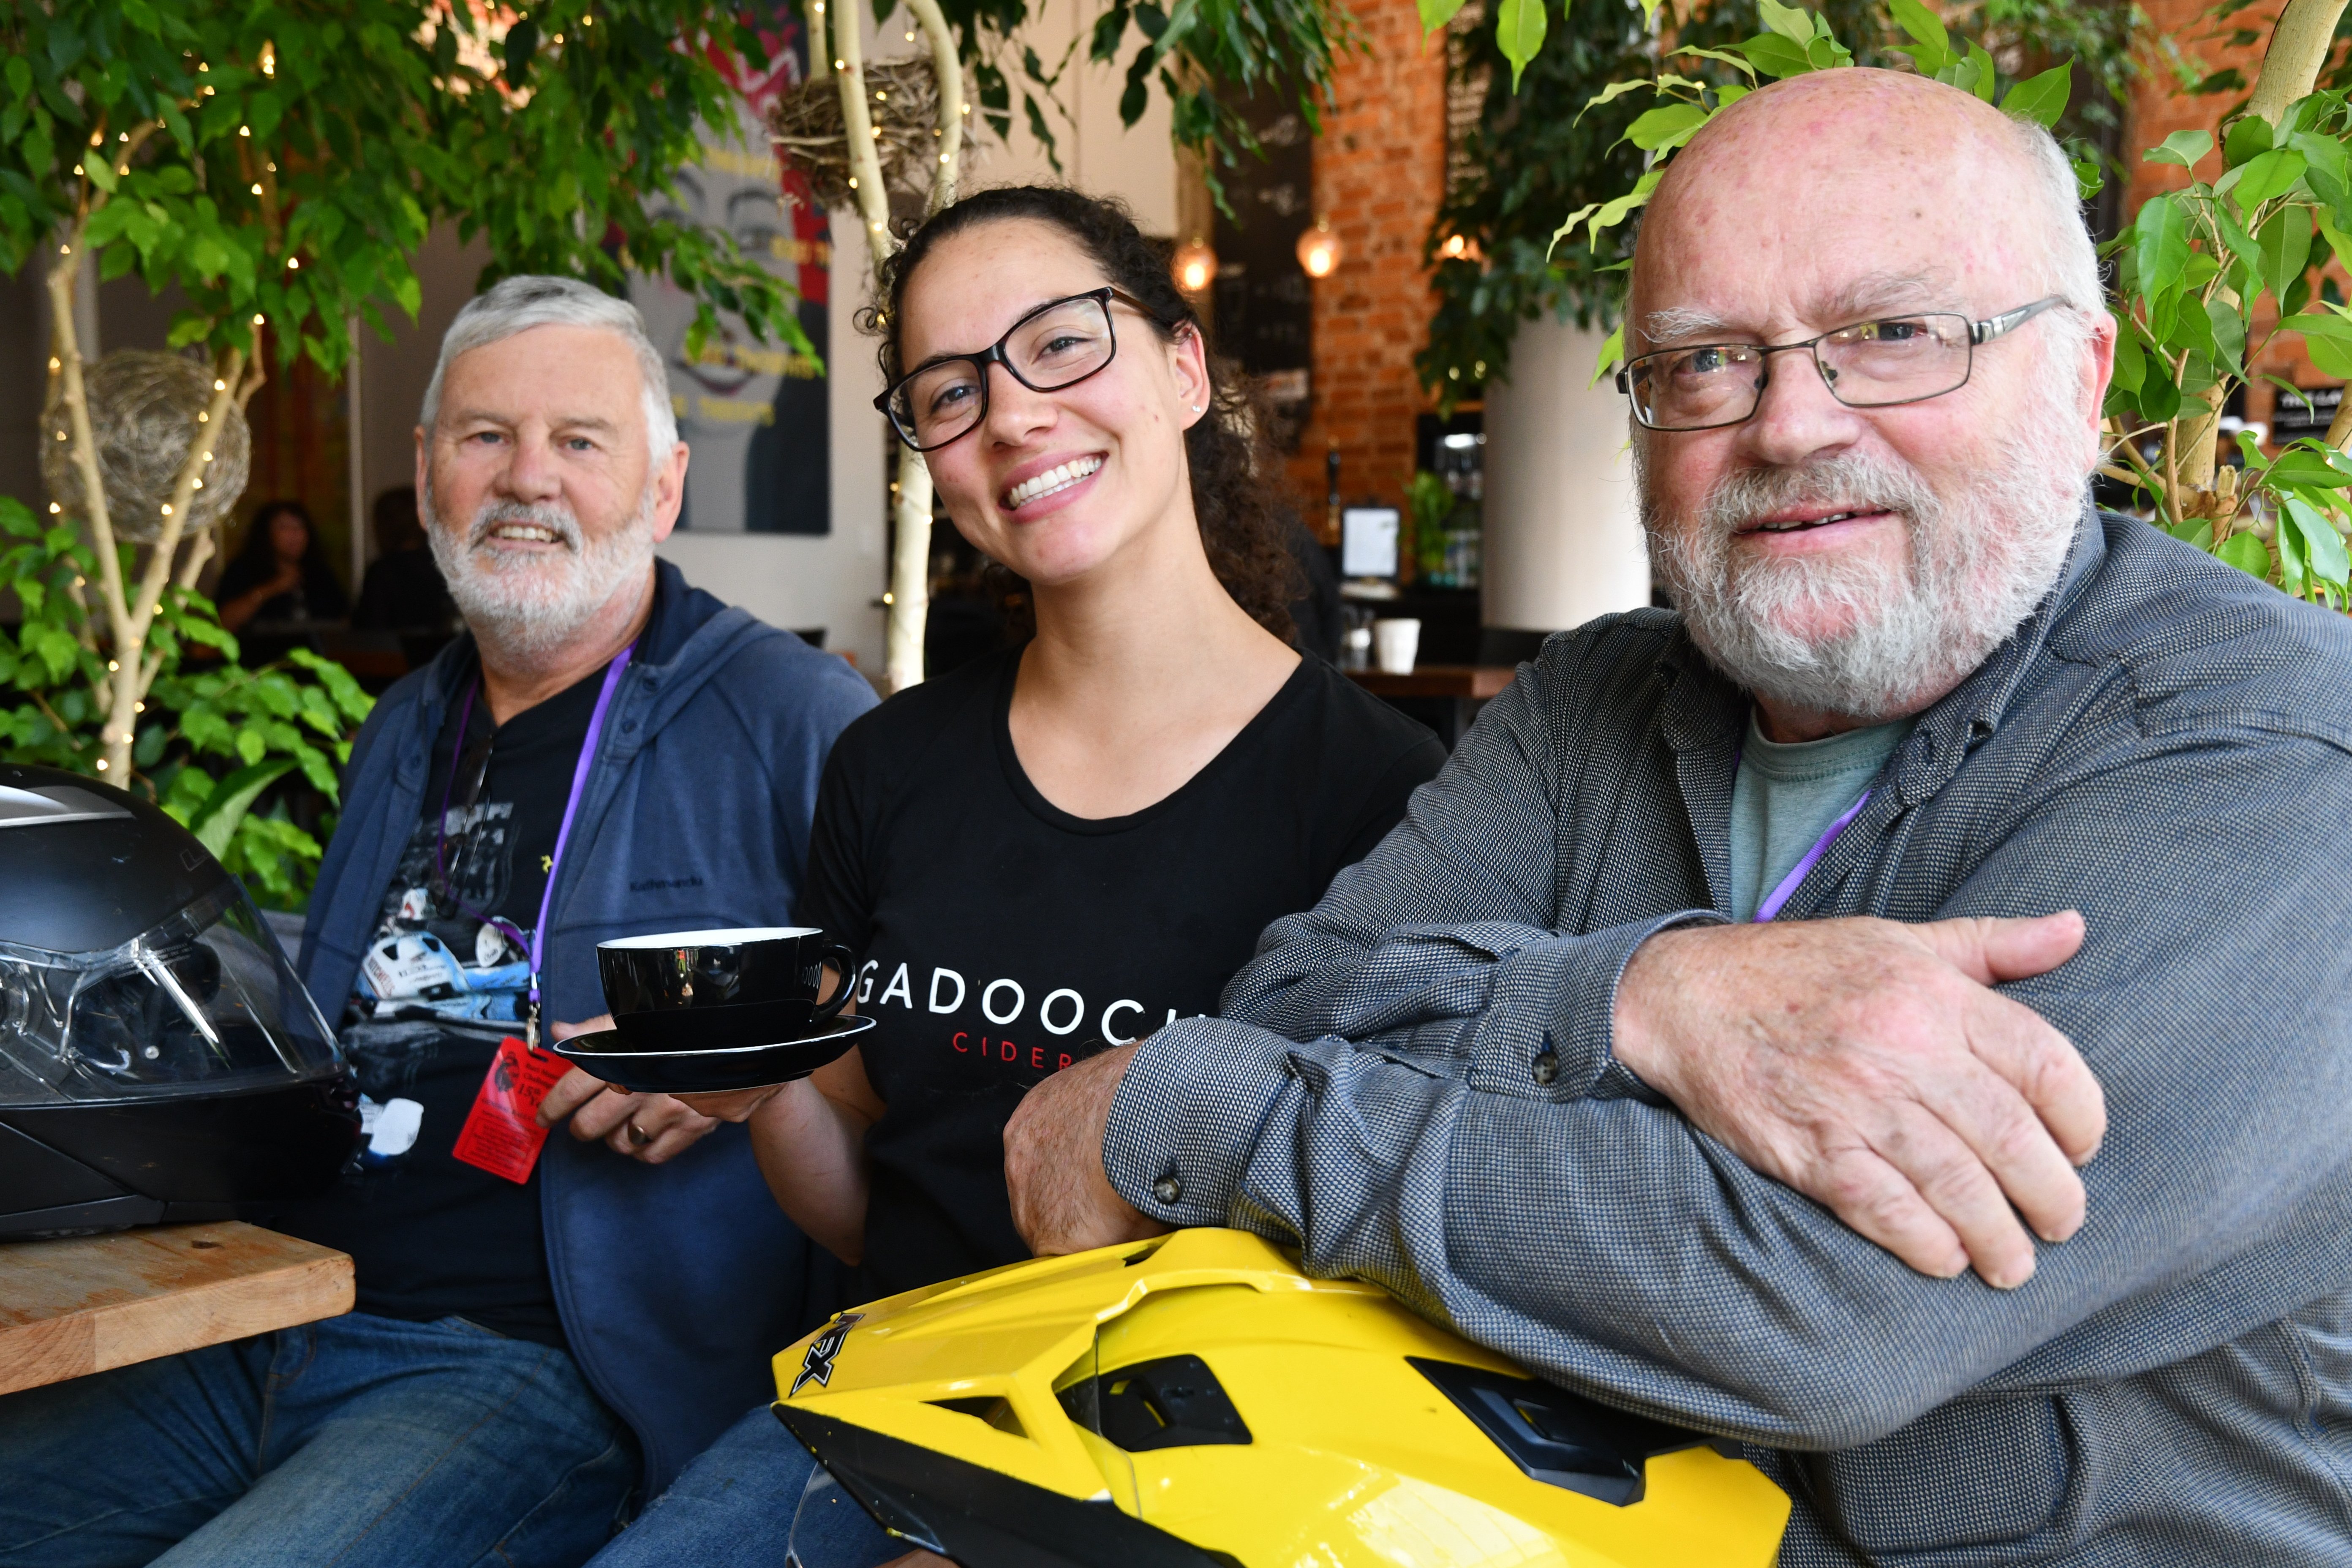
(1795, 42)
(213, 737)
(301, 193)
(2205, 271)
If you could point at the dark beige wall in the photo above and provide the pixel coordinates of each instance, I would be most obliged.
(23, 348)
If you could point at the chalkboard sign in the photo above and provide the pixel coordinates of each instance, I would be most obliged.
(1265, 312)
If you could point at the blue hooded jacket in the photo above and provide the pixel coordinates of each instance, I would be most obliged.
(675, 1283)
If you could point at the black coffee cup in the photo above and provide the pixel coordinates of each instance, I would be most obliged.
(715, 989)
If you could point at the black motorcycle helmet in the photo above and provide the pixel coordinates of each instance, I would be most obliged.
(159, 1060)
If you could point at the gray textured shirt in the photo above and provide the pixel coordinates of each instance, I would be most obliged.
(1788, 793)
(1415, 1085)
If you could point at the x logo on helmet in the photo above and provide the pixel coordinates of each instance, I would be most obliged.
(817, 1365)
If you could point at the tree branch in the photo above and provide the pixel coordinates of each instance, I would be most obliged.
(76, 402)
(226, 373)
(857, 124)
(2298, 51)
(950, 71)
(198, 553)
(910, 556)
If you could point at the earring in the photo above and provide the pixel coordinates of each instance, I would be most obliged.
(1198, 406)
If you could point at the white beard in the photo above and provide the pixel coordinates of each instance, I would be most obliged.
(1978, 564)
(525, 605)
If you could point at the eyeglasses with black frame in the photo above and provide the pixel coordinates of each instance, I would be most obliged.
(1057, 346)
(1881, 363)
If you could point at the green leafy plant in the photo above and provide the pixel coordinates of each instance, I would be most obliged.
(1211, 56)
(279, 164)
(1528, 158)
(209, 742)
(2192, 275)
(1562, 139)
(1429, 503)
(1794, 42)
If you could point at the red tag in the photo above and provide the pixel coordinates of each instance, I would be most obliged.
(502, 1134)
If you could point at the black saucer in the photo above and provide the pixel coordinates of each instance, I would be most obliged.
(607, 1055)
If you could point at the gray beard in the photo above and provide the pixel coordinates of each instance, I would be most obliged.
(1978, 564)
(525, 608)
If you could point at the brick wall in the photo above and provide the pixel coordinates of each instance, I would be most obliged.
(2160, 108)
(1380, 174)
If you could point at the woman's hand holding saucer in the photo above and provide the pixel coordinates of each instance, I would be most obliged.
(651, 1128)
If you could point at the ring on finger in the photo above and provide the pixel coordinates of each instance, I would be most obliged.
(639, 1136)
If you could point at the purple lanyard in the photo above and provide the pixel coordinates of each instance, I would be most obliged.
(538, 943)
(1771, 906)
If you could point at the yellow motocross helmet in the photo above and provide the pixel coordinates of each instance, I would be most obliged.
(1196, 1400)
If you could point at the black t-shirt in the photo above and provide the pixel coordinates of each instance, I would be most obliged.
(1004, 939)
(444, 980)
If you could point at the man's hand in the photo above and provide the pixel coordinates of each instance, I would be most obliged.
(1868, 1064)
(1062, 1202)
(653, 1128)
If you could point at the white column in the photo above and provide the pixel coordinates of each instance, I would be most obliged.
(1563, 538)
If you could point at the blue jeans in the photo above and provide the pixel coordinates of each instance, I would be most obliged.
(735, 1505)
(361, 1441)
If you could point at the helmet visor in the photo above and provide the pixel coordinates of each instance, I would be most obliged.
(204, 1002)
(832, 1529)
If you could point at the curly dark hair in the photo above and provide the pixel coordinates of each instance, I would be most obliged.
(1243, 524)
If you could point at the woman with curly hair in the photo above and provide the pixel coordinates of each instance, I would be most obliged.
(1068, 844)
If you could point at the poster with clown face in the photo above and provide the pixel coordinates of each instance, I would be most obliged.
(752, 413)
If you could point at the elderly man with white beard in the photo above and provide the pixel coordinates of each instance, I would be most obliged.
(544, 1328)
(1891, 1015)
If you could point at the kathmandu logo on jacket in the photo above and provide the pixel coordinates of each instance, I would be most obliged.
(817, 1365)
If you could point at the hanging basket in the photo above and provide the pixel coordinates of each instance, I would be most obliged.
(143, 413)
(903, 98)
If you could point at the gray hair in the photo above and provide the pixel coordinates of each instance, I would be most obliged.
(2070, 259)
(520, 304)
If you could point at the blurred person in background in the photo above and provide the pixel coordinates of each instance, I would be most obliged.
(281, 579)
(404, 591)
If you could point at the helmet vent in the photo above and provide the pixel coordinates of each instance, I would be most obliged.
(1175, 1401)
(993, 1409)
(1555, 1437)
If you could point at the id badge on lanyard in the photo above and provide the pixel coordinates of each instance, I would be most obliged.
(502, 1134)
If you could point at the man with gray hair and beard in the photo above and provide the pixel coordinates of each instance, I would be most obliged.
(544, 1327)
(1887, 1015)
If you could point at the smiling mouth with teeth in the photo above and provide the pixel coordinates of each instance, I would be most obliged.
(525, 533)
(1051, 480)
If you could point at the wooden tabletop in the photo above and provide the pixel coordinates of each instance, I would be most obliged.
(86, 1303)
(1476, 681)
